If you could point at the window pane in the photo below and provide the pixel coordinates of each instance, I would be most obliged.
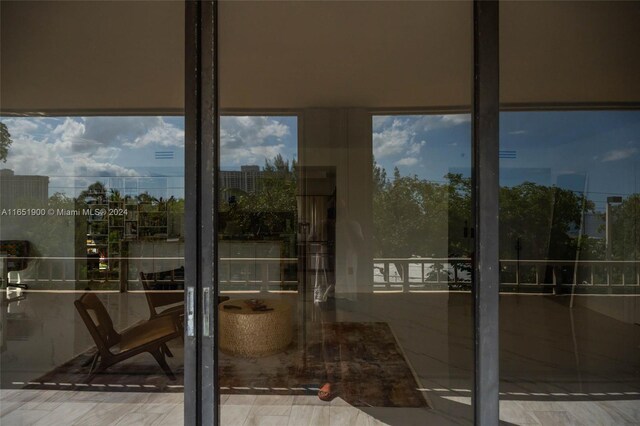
(92, 262)
(345, 213)
(569, 185)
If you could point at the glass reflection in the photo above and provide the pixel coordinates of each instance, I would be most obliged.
(569, 263)
(345, 270)
(92, 255)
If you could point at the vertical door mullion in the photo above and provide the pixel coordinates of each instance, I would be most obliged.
(208, 208)
(201, 135)
(191, 215)
(485, 118)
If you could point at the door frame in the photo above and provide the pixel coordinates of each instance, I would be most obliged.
(201, 399)
(201, 396)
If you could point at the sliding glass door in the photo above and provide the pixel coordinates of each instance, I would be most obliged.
(344, 224)
(313, 212)
(92, 205)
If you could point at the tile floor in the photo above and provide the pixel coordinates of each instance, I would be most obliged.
(558, 366)
(51, 408)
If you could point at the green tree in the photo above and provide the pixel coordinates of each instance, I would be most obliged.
(268, 212)
(5, 142)
(410, 216)
(459, 218)
(417, 217)
(541, 218)
(625, 229)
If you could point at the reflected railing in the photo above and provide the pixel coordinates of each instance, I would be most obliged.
(516, 275)
(273, 274)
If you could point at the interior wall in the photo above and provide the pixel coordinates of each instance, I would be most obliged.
(119, 57)
(78, 58)
(341, 138)
(576, 52)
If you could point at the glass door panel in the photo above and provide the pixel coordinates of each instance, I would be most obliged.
(344, 219)
(569, 215)
(91, 213)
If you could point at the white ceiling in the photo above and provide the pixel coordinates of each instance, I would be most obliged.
(128, 57)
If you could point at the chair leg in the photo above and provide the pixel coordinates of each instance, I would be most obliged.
(159, 356)
(96, 356)
(98, 365)
(90, 361)
(166, 351)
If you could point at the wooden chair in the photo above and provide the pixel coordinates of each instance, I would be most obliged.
(113, 347)
(165, 303)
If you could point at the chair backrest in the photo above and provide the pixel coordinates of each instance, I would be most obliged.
(158, 298)
(148, 294)
(97, 320)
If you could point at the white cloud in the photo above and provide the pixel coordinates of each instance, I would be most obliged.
(415, 147)
(20, 126)
(426, 123)
(157, 132)
(619, 154)
(393, 140)
(274, 129)
(395, 135)
(62, 152)
(380, 121)
(251, 139)
(408, 161)
(517, 132)
(455, 119)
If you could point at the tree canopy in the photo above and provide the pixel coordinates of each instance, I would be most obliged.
(417, 217)
(268, 211)
(5, 142)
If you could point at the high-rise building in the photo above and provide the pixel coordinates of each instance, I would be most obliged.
(22, 191)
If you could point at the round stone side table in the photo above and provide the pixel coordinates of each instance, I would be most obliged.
(251, 334)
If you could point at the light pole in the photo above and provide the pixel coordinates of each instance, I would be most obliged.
(607, 229)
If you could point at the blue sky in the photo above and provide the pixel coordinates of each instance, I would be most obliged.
(119, 151)
(594, 150)
(134, 154)
(250, 140)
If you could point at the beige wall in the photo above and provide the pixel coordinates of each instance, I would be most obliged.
(119, 57)
(341, 138)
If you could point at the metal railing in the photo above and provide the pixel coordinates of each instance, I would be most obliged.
(263, 274)
(528, 275)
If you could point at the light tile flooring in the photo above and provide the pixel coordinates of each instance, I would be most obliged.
(50, 408)
(567, 413)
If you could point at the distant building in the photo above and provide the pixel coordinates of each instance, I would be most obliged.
(21, 191)
(246, 179)
(594, 225)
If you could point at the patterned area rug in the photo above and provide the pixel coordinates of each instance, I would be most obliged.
(362, 361)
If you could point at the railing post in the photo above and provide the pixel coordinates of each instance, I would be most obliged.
(404, 274)
(386, 274)
(264, 268)
(455, 272)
